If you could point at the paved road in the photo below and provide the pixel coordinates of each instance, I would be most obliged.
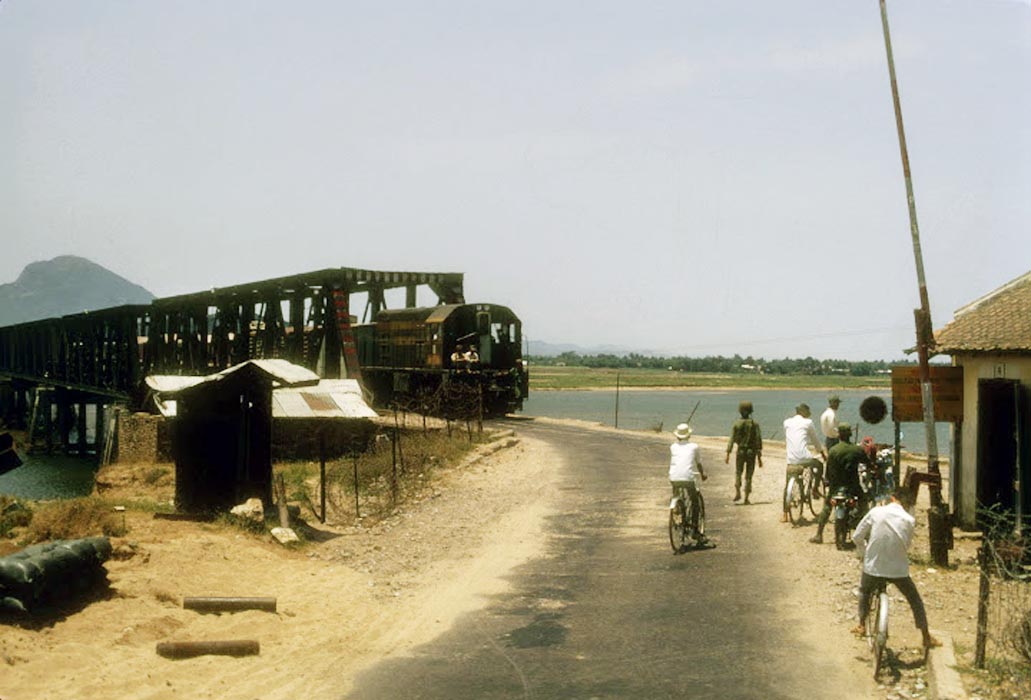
(610, 612)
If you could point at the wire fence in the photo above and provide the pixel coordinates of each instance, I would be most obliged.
(1004, 600)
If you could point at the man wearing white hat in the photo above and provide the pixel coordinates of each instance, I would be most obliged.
(685, 467)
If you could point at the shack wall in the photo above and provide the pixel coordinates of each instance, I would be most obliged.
(142, 438)
(298, 438)
(976, 368)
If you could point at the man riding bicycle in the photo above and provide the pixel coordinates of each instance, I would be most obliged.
(886, 532)
(685, 467)
(799, 436)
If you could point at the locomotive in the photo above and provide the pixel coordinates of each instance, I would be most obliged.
(411, 354)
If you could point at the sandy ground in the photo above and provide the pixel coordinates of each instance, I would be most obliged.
(368, 593)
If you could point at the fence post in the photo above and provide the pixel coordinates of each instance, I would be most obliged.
(397, 440)
(982, 606)
(393, 468)
(322, 471)
(357, 512)
(284, 513)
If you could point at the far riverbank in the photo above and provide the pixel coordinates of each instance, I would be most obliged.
(546, 378)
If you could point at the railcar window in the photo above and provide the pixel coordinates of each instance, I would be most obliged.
(504, 332)
(483, 323)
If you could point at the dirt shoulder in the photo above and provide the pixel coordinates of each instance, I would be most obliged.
(361, 595)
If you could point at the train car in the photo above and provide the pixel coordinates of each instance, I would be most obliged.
(413, 354)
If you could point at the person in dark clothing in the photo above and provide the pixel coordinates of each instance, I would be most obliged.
(745, 433)
(842, 473)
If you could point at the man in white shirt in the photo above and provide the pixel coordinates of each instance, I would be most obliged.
(685, 466)
(829, 422)
(886, 532)
(799, 437)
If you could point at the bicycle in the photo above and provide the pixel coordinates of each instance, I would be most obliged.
(680, 515)
(876, 625)
(799, 493)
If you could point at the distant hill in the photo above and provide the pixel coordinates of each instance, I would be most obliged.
(65, 285)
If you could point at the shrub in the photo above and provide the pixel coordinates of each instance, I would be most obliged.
(154, 475)
(73, 519)
(12, 514)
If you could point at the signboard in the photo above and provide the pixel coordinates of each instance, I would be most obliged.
(907, 404)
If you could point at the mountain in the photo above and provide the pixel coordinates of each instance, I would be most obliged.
(65, 285)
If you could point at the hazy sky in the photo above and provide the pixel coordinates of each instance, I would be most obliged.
(689, 177)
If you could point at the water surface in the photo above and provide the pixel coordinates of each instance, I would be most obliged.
(44, 477)
(717, 410)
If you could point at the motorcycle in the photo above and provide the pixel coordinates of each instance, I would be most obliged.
(845, 507)
(878, 477)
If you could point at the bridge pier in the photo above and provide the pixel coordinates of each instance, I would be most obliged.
(56, 417)
(80, 428)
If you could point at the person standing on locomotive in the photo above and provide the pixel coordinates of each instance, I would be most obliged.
(458, 357)
(685, 467)
(745, 433)
(842, 473)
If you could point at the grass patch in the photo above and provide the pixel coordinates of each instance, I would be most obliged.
(154, 475)
(542, 377)
(13, 514)
(1000, 679)
(381, 485)
(73, 519)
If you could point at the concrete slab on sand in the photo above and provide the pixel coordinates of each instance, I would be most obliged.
(943, 679)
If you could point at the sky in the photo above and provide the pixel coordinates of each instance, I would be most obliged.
(686, 177)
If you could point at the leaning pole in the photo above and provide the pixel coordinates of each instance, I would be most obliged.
(937, 516)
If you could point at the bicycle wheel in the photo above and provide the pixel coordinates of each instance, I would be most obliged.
(794, 501)
(881, 640)
(679, 527)
(675, 522)
(701, 515)
(808, 486)
(877, 628)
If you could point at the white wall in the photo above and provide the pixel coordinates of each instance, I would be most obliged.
(976, 368)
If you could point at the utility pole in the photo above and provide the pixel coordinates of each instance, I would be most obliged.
(937, 517)
(616, 423)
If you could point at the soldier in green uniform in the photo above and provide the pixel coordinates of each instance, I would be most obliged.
(746, 434)
(843, 462)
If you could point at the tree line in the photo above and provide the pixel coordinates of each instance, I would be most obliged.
(720, 364)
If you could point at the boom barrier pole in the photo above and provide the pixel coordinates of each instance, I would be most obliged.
(940, 533)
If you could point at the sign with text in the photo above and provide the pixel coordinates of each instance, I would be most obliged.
(907, 405)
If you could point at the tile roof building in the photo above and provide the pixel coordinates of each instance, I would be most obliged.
(997, 322)
(990, 338)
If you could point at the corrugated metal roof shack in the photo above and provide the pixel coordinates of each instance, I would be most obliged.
(229, 426)
(328, 420)
(222, 436)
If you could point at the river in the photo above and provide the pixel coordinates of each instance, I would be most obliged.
(43, 477)
(717, 409)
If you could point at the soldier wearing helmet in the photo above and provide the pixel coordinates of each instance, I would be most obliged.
(745, 433)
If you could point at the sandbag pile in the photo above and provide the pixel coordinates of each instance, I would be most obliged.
(52, 573)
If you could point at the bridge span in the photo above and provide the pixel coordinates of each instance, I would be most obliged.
(101, 357)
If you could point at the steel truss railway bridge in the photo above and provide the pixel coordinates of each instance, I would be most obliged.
(101, 357)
